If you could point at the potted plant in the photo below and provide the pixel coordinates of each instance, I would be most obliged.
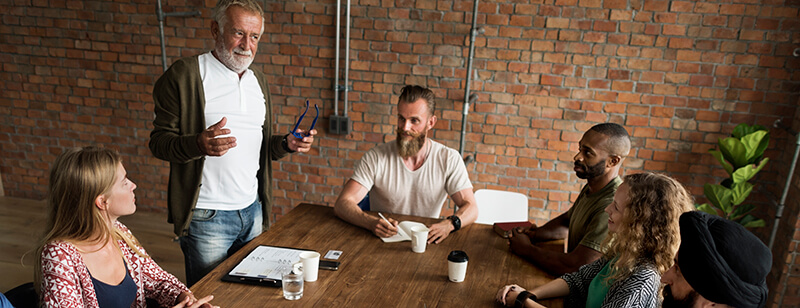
(742, 157)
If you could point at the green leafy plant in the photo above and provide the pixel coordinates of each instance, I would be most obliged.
(742, 157)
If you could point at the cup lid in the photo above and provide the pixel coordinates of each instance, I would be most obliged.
(457, 256)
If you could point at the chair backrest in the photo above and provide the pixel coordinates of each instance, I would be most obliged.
(364, 203)
(500, 206)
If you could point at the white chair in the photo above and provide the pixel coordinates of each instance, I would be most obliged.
(500, 206)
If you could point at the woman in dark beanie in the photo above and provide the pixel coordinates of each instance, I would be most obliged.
(719, 264)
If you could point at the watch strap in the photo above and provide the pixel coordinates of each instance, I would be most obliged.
(456, 221)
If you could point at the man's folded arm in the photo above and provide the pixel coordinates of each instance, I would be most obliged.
(346, 206)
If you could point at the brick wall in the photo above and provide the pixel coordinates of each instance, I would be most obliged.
(678, 74)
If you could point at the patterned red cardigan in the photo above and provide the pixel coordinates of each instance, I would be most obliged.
(66, 281)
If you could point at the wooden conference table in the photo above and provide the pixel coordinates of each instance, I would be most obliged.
(374, 273)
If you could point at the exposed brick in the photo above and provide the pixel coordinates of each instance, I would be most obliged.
(731, 9)
(681, 43)
(557, 23)
(674, 30)
(705, 7)
(752, 35)
(605, 26)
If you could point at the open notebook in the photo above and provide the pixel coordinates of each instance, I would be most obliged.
(403, 232)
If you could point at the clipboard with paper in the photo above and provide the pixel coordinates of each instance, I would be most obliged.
(264, 266)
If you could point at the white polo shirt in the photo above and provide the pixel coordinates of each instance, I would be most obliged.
(229, 181)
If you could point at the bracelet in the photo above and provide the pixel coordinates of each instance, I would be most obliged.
(524, 295)
(520, 301)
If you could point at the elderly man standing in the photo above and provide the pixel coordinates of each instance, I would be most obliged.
(412, 175)
(220, 183)
(719, 264)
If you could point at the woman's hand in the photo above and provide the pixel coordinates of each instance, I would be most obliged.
(508, 294)
(187, 300)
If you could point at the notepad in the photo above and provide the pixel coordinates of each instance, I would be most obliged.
(403, 232)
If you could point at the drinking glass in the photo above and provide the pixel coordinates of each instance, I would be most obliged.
(292, 285)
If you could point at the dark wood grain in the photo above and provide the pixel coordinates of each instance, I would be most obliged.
(374, 273)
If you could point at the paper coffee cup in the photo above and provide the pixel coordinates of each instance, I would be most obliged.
(419, 238)
(310, 261)
(457, 265)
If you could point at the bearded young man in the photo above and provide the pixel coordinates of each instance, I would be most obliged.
(585, 226)
(220, 181)
(412, 175)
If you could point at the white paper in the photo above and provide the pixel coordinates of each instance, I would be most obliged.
(403, 232)
(267, 262)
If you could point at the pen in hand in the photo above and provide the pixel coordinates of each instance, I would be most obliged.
(389, 231)
(384, 219)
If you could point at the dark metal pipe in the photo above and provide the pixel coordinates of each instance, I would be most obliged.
(468, 98)
(161, 16)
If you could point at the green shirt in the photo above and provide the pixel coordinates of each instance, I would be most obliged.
(588, 221)
(598, 288)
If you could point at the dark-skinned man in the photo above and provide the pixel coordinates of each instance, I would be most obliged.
(585, 225)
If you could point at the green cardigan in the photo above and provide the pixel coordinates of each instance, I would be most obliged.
(179, 107)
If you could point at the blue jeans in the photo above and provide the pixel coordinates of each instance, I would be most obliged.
(216, 234)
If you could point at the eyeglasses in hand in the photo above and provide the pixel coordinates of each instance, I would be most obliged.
(308, 132)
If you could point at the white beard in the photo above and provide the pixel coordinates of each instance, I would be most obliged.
(231, 60)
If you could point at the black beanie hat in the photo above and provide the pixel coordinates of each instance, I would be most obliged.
(723, 261)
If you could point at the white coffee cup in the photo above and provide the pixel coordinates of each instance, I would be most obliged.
(310, 261)
(419, 238)
(457, 265)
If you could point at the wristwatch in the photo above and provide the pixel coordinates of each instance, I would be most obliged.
(285, 144)
(456, 222)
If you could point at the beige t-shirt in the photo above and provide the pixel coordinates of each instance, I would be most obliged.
(588, 221)
(394, 188)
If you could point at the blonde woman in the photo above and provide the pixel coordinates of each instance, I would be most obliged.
(642, 241)
(88, 258)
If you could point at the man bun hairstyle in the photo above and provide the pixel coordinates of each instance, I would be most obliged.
(412, 93)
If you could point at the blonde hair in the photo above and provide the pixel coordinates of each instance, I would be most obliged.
(649, 230)
(77, 178)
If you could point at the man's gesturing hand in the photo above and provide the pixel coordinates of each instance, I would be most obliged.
(210, 145)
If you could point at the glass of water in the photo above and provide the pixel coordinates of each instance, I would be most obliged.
(292, 285)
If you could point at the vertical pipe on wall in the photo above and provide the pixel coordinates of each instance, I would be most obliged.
(779, 212)
(468, 98)
(336, 57)
(346, 57)
(161, 16)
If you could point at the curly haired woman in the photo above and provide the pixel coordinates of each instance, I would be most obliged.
(642, 242)
(88, 258)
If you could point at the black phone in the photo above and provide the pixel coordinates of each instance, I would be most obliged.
(329, 265)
